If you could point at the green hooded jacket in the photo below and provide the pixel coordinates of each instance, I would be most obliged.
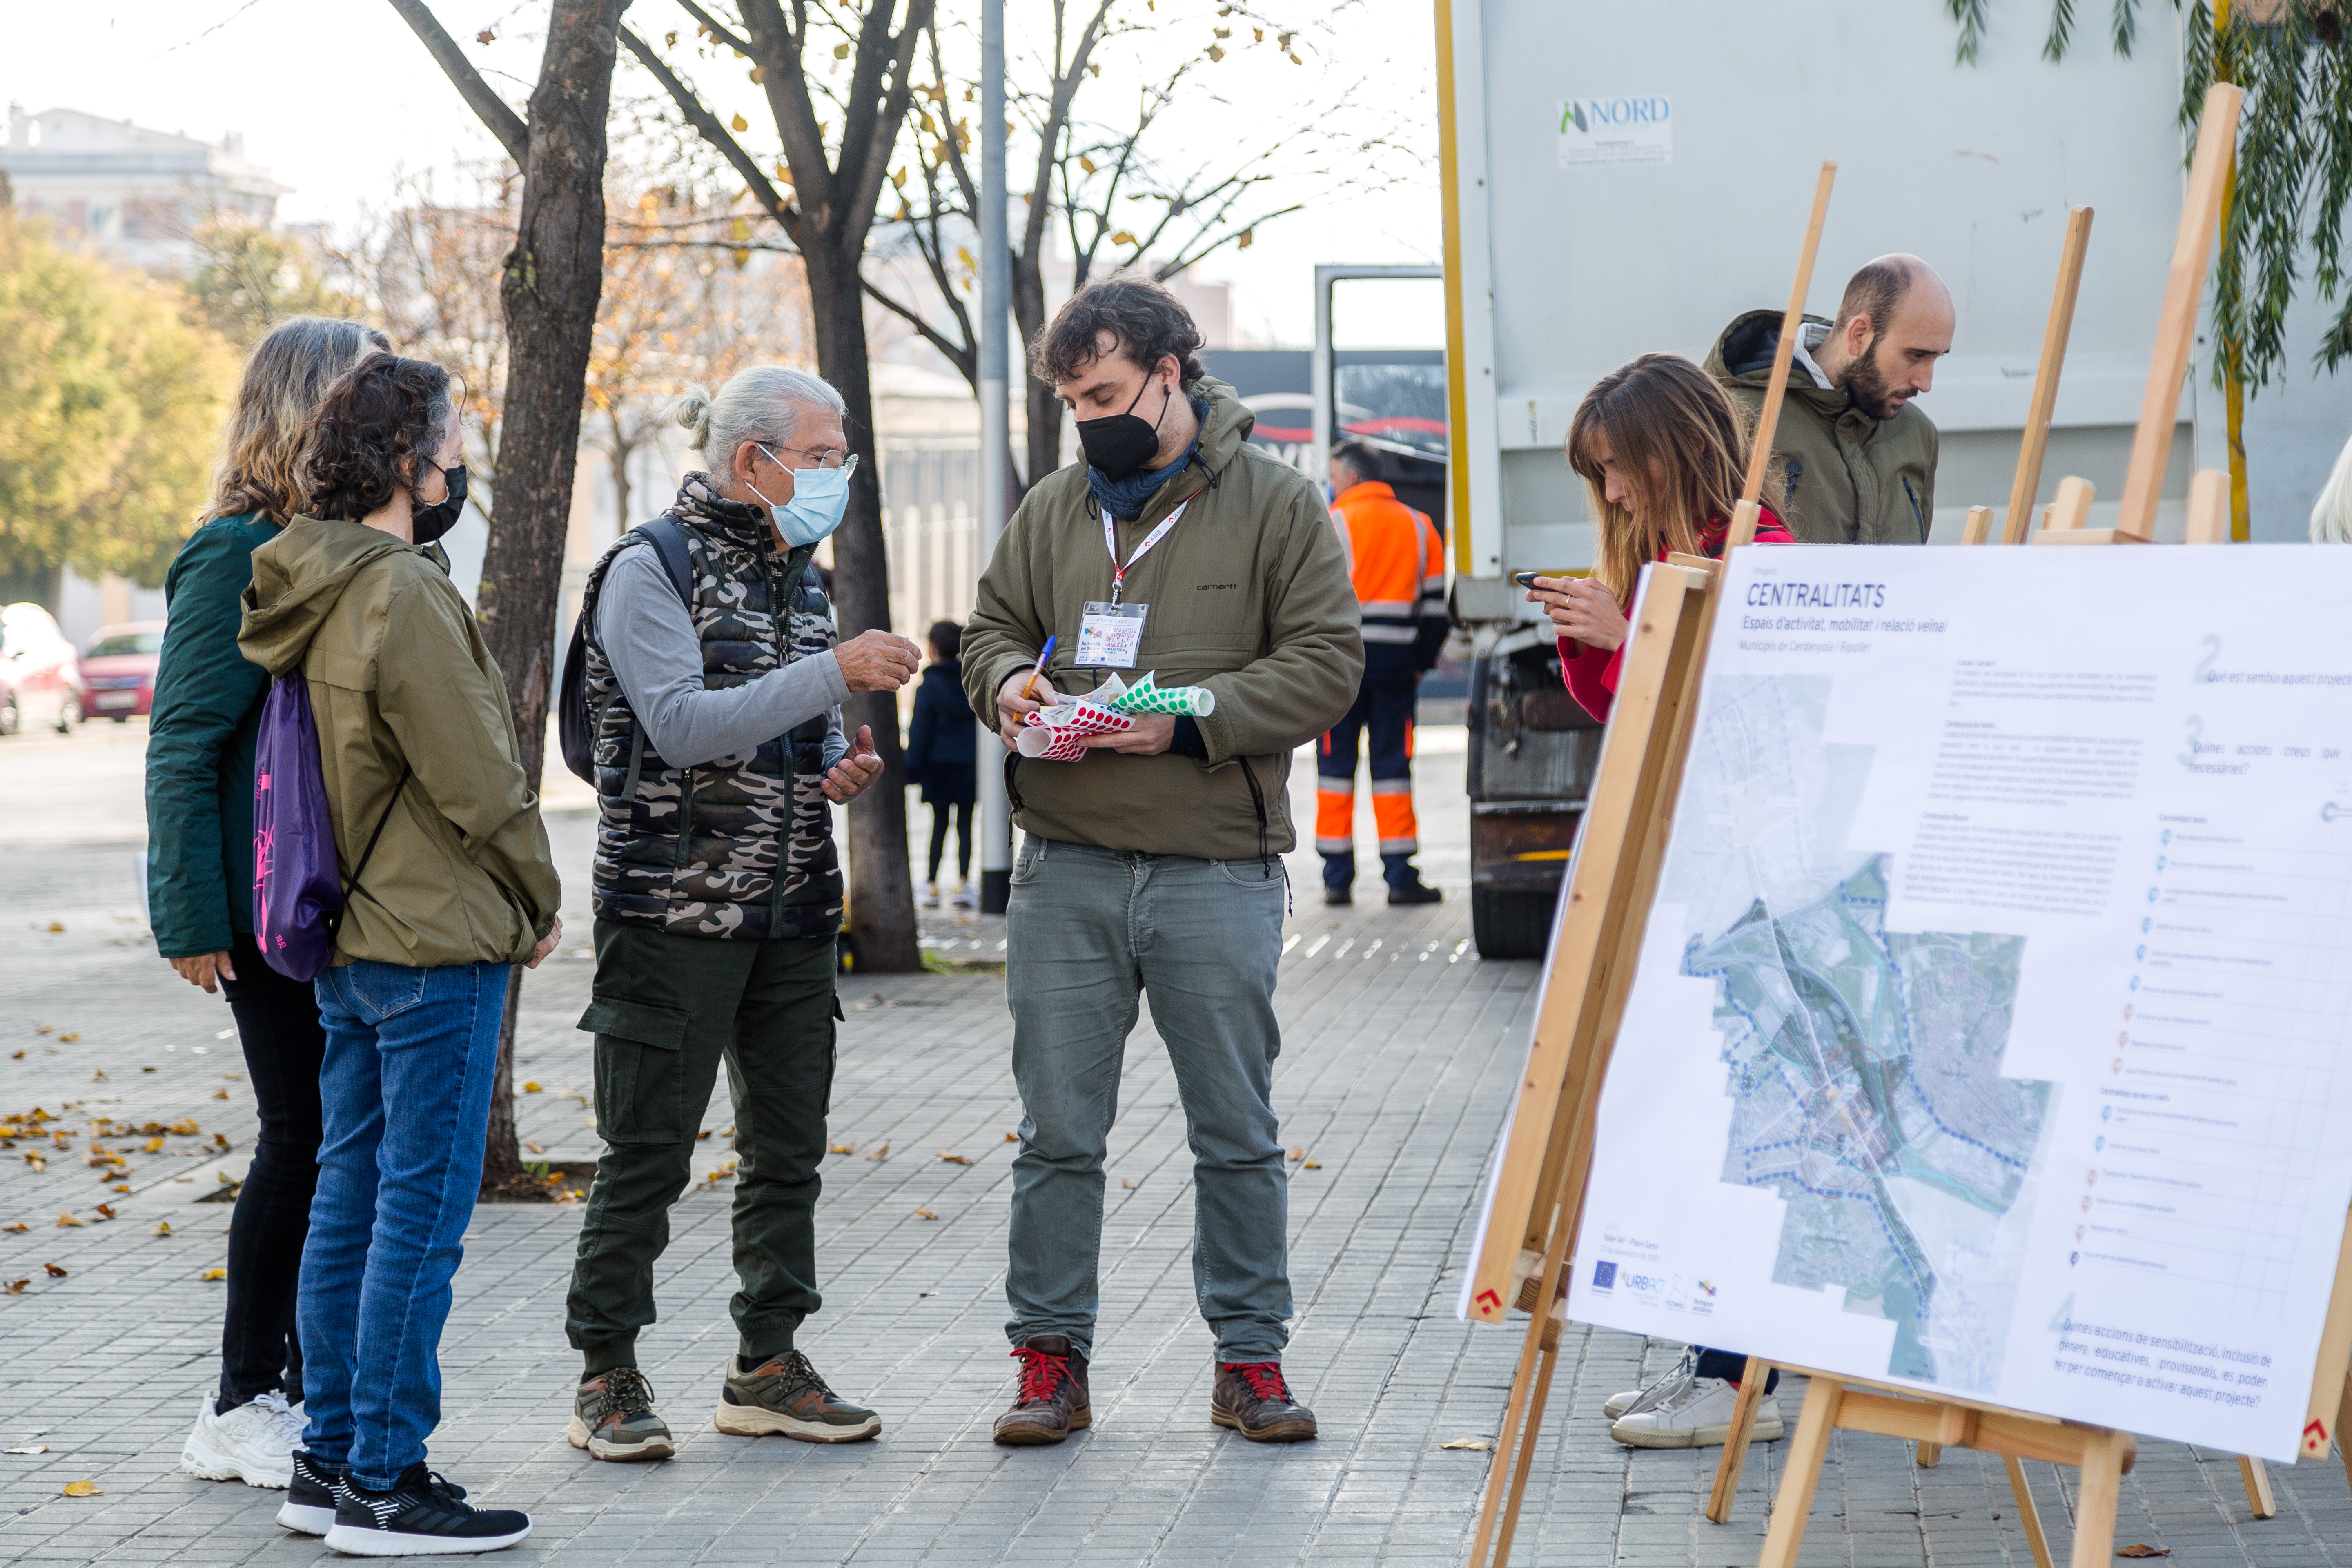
(200, 746)
(1249, 596)
(399, 678)
(1852, 479)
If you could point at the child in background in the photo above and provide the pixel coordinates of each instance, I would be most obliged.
(942, 757)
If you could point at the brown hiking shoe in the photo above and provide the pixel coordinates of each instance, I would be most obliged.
(1252, 1399)
(1051, 1403)
(785, 1395)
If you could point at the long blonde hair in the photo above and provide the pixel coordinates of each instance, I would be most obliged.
(1679, 441)
(285, 375)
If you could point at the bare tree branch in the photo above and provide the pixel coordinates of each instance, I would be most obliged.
(503, 121)
(707, 126)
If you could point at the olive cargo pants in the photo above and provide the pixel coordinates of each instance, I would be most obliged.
(667, 1010)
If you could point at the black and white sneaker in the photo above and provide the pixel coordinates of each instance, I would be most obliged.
(422, 1515)
(311, 1498)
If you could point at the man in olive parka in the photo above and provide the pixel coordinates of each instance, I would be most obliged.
(1858, 457)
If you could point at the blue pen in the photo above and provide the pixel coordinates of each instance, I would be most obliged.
(1031, 685)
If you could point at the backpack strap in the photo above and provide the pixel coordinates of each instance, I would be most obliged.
(667, 536)
(335, 919)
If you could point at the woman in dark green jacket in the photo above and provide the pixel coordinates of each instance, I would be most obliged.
(200, 888)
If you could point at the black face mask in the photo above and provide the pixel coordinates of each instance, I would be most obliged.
(430, 523)
(1120, 444)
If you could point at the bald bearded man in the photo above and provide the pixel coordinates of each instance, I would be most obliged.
(1859, 458)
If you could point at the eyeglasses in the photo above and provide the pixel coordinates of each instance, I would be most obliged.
(831, 457)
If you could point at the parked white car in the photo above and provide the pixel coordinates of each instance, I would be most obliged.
(40, 676)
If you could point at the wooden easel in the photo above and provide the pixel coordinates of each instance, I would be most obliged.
(1539, 1184)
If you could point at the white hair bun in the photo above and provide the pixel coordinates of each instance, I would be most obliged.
(693, 411)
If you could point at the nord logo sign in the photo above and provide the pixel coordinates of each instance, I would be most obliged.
(1628, 128)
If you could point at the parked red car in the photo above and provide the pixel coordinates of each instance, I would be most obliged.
(40, 679)
(118, 671)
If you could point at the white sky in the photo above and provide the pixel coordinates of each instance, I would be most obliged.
(334, 98)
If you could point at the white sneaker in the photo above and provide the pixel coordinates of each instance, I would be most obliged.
(253, 1443)
(963, 900)
(932, 895)
(1697, 1415)
(1619, 1406)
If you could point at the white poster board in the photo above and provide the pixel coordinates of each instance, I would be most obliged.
(1988, 1035)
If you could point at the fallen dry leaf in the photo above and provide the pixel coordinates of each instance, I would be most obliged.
(151, 1146)
(881, 1151)
(20, 1225)
(2140, 1550)
(162, 1227)
(66, 1219)
(702, 1136)
(220, 1094)
(30, 1449)
(15, 1056)
(43, 1028)
(17, 1286)
(123, 1186)
(1013, 1137)
(1311, 1164)
(531, 1089)
(1125, 1182)
(220, 1140)
(98, 1076)
(948, 1159)
(214, 1274)
(105, 1211)
(81, 1488)
(925, 1214)
(68, 1040)
(1477, 1445)
(1298, 1153)
(57, 925)
(841, 1148)
(535, 1148)
(33, 1158)
(146, 1070)
(185, 1127)
(55, 1272)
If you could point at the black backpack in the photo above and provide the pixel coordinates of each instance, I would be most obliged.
(575, 726)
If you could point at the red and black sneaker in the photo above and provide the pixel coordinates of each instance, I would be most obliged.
(1051, 1403)
(1251, 1398)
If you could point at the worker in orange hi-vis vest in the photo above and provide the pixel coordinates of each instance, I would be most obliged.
(1397, 560)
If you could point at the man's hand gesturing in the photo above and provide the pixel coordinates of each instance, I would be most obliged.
(877, 661)
(1011, 707)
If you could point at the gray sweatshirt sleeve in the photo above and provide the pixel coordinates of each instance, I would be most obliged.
(644, 631)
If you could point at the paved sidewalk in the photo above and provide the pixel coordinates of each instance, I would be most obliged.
(1400, 1050)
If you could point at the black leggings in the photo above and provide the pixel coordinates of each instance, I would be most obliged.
(963, 839)
(278, 1025)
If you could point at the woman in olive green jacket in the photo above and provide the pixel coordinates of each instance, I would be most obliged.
(420, 760)
(200, 890)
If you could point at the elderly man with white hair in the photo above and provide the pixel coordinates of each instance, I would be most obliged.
(714, 684)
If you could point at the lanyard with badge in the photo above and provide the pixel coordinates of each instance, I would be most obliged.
(1109, 632)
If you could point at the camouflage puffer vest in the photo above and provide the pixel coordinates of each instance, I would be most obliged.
(739, 846)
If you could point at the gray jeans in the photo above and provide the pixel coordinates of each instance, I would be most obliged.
(1088, 930)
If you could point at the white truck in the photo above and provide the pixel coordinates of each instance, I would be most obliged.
(1623, 178)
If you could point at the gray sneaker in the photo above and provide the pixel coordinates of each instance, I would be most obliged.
(784, 1394)
(613, 1418)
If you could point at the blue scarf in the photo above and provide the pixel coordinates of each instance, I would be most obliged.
(1125, 499)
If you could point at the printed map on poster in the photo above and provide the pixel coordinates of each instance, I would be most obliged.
(1984, 1037)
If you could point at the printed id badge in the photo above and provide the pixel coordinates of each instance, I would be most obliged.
(1108, 636)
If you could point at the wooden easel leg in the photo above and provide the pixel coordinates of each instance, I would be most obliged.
(1526, 1460)
(2259, 1502)
(1800, 1471)
(1752, 1379)
(2096, 1499)
(2027, 1514)
(1929, 1456)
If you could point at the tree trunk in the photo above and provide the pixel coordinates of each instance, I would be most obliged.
(881, 882)
(553, 279)
(622, 451)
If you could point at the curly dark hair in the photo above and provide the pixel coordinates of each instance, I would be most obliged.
(1147, 322)
(364, 441)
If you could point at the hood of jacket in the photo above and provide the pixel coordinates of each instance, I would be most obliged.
(1742, 357)
(1224, 431)
(297, 579)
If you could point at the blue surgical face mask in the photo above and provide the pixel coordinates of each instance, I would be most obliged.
(819, 496)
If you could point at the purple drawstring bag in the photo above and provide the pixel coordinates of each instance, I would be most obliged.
(298, 892)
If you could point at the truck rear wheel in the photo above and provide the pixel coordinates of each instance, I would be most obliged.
(1508, 923)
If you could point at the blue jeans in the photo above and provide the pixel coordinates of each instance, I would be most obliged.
(406, 1095)
(1088, 930)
